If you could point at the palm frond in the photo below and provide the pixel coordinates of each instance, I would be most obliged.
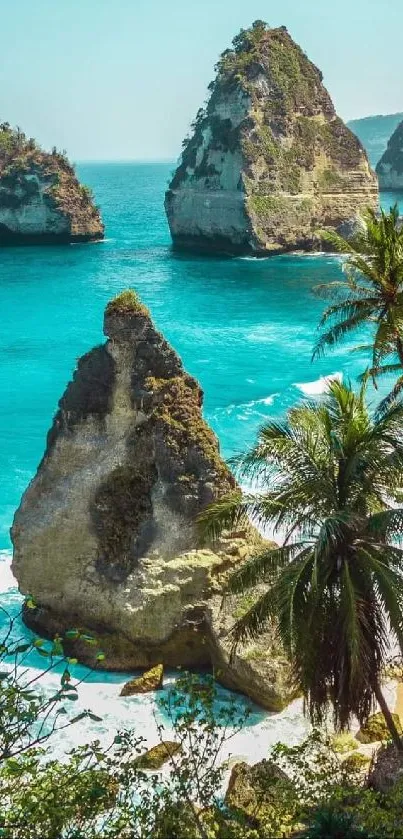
(254, 622)
(229, 512)
(337, 332)
(259, 567)
(351, 621)
(392, 397)
(389, 588)
(387, 524)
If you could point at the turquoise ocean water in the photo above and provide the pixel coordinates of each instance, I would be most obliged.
(244, 327)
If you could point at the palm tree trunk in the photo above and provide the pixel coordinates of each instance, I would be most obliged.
(388, 718)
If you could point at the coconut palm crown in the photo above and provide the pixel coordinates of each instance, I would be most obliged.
(327, 479)
(372, 293)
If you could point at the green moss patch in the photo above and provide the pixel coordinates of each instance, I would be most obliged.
(121, 506)
(376, 729)
(344, 742)
(177, 407)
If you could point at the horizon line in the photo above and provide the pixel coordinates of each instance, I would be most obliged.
(125, 160)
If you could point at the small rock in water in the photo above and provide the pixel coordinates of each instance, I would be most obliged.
(158, 755)
(149, 681)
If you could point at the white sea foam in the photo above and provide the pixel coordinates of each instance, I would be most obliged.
(267, 400)
(320, 385)
(7, 580)
(143, 714)
(243, 410)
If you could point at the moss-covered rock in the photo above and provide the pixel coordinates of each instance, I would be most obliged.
(269, 162)
(155, 757)
(252, 790)
(376, 729)
(41, 199)
(151, 680)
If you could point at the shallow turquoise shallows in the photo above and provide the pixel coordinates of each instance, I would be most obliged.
(244, 328)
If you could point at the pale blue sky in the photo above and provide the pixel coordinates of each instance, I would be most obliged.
(122, 79)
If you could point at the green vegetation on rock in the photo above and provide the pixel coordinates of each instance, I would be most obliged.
(343, 742)
(126, 303)
(356, 762)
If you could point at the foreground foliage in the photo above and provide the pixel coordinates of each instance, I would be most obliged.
(101, 791)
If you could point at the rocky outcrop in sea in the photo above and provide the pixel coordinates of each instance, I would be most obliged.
(269, 163)
(390, 167)
(105, 537)
(41, 199)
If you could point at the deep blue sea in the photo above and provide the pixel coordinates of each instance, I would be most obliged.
(243, 327)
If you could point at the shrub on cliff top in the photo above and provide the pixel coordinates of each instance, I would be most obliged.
(125, 303)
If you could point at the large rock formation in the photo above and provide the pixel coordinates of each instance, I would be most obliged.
(41, 200)
(269, 163)
(390, 167)
(105, 539)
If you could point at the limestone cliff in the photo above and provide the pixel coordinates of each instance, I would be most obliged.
(41, 200)
(269, 162)
(104, 538)
(390, 167)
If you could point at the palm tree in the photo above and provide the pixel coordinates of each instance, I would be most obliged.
(371, 294)
(328, 474)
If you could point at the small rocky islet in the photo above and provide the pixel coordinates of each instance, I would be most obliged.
(41, 199)
(269, 164)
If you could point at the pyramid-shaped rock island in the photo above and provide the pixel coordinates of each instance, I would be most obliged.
(105, 537)
(269, 163)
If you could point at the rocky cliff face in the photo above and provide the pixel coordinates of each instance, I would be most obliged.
(374, 133)
(269, 162)
(41, 200)
(104, 538)
(390, 167)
